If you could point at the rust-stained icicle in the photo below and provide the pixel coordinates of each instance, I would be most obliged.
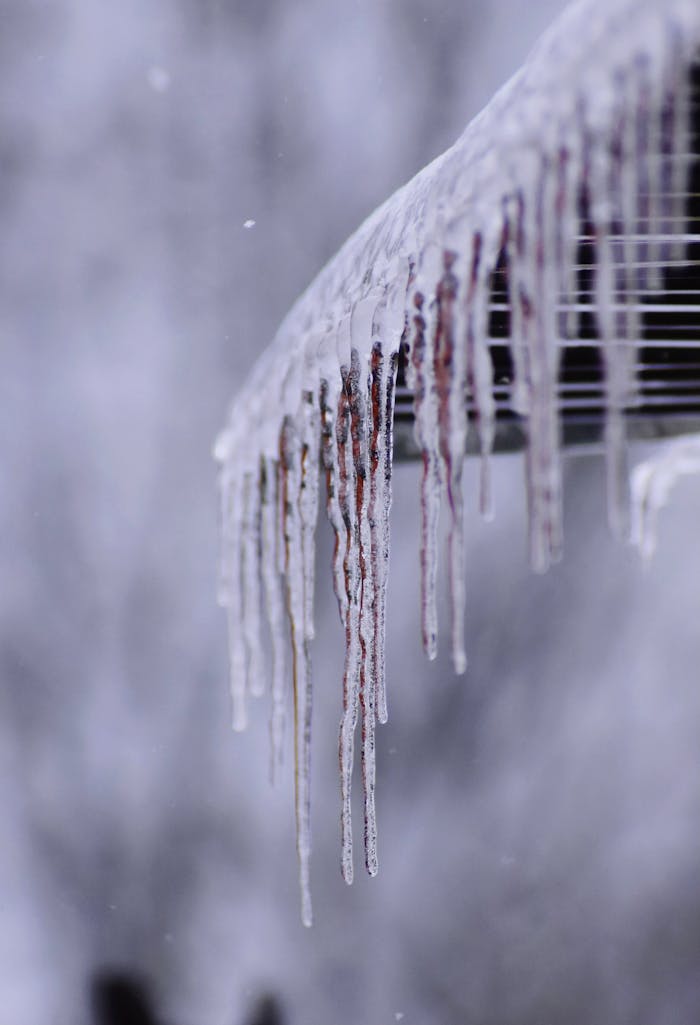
(347, 491)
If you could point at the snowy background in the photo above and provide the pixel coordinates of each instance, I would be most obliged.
(539, 819)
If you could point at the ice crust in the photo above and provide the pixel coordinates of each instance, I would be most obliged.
(598, 111)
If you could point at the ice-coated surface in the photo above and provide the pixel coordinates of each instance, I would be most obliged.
(595, 116)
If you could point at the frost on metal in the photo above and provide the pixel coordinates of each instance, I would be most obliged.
(598, 117)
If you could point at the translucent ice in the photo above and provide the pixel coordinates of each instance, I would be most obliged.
(585, 146)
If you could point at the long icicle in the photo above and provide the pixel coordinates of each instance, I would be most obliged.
(308, 501)
(250, 571)
(450, 386)
(479, 362)
(383, 378)
(332, 470)
(518, 300)
(676, 175)
(385, 511)
(351, 575)
(272, 585)
(544, 470)
(628, 198)
(603, 186)
(360, 427)
(231, 596)
(566, 237)
(291, 464)
(651, 136)
(426, 429)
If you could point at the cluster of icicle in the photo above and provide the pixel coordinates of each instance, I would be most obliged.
(599, 111)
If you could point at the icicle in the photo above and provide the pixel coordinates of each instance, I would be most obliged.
(339, 506)
(373, 596)
(518, 299)
(386, 451)
(388, 313)
(332, 469)
(377, 492)
(643, 192)
(231, 596)
(255, 679)
(479, 363)
(624, 191)
(663, 158)
(617, 360)
(533, 292)
(272, 584)
(627, 186)
(450, 385)
(566, 228)
(543, 463)
(422, 380)
(621, 330)
(360, 428)
(653, 129)
(308, 502)
(651, 485)
(292, 482)
(675, 138)
(347, 491)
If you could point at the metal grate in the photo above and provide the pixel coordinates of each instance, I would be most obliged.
(668, 346)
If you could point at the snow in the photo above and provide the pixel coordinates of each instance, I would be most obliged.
(598, 111)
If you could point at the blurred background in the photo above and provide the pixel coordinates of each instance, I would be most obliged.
(172, 174)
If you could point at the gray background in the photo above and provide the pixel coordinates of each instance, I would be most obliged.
(540, 818)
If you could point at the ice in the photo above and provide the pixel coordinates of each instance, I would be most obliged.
(451, 372)
(231, 597)
(386, 449)
(585, 149)
(291, 461)
(272, 583)
(308, 501)
(423, 321)
(651, 484)
(362, 429)
(479, 365)
(537, 296)
(331, 466)
(347, 499)
(251, 578)
(518, 303)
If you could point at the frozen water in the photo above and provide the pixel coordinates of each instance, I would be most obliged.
(651, 484)
(592, 121)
